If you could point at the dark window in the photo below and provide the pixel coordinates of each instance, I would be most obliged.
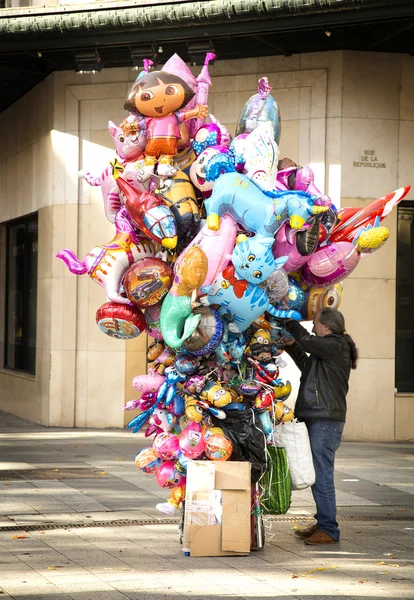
(21, 294)
(404, 353)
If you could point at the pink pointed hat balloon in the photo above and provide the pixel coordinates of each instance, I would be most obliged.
(199, 85)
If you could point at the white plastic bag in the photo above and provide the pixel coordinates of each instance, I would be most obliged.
(293, 436)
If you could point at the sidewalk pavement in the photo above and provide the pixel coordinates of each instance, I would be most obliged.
(78, 521)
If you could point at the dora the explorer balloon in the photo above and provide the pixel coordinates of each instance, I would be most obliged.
(159, 96)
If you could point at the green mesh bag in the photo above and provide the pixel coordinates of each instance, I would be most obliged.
(275, 485)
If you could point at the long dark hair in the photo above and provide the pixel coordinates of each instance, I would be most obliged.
(153, 79)
(334, 320)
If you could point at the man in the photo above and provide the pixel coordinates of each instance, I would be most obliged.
(326, 360)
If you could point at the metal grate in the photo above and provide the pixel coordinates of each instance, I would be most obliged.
(48, 474)
(154, 521)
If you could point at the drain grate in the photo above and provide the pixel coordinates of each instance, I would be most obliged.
(154, 521)
(77, 525)
(57, 474)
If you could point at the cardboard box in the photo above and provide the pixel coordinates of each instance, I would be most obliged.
(217, 508)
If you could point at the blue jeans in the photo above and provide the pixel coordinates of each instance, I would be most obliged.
(325, 438)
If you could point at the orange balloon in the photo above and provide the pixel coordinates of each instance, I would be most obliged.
(218, 447)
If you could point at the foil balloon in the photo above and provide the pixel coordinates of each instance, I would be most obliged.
(129, 145)
(176, 320)
(353, 221)
(260, 156)
(257, 211)
(318, 298)
(331, 264)
(160, 423)
(276, 285)
(308, 301)
(241, 300)
(148, 281)
(166, 446)
(120, 321)
(211, 431)
(369, 241)
(218, 447)
(150, 382)
(253, 259)
(170, 474)
(129, 139)
(159, 96)
(198, 169)
(107, 264)
(217, 246)
(260, 108)
(285, 245)
(211, 134)
(149, 214)
(192, 442)
(178, 194)
(152, 319)
(199, 85)
(148, 461)
(208, 334)
(155, 349)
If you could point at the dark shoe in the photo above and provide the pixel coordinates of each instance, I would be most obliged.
(305, 532)
(320, 537)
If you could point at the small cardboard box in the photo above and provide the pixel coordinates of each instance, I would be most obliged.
(217, 508)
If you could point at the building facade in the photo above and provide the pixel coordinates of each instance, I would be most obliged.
(350, 115)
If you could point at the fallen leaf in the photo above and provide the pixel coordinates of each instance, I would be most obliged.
(293, 576)
(381, 562)
(19, 537)
(389, 513)
(402, 509)
(389, 554)
(362, 581)
(103, 472)
(56, 470)
(393, 565)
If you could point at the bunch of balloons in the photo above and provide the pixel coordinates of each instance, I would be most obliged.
(216, 240)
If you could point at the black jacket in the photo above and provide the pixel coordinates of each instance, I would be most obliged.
(325, 373)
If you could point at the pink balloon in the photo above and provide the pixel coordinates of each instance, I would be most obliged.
(330, 264)
(285, 245)
(170, 474)
(191, 440)
(148, 383)
(166, 446)
(217, 245)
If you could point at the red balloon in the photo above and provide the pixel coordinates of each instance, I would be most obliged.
(120, 321)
